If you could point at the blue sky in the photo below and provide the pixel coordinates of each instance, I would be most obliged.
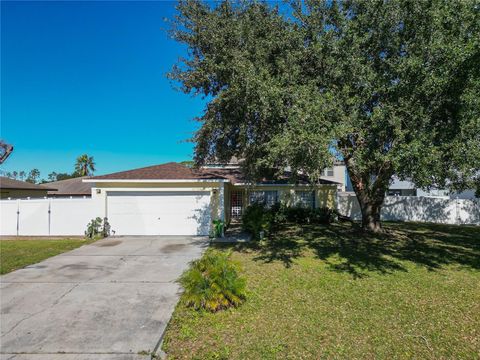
(89, 77)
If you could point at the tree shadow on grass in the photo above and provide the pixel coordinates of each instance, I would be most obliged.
(346, 249)
(284, 249)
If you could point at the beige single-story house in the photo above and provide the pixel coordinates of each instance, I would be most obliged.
(16, 189)
(71, 188)
(173, 199)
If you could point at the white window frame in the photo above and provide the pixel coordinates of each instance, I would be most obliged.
(329, 171)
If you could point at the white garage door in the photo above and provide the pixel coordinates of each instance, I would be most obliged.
(159, 212)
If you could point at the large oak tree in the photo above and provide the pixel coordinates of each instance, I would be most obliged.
(390, 87)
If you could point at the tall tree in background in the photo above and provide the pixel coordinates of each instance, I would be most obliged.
(390, 87)
(85, 166)
(188, 163)
(52, 176)
(33, 176)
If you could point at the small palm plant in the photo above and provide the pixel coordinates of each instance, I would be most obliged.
(212, 283)
(218, 228)
(93, 228)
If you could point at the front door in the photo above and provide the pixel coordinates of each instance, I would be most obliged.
(236, 201)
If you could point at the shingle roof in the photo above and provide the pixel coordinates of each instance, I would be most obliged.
(168, 171)
(175, 171)
(69, 187)
(7, 183)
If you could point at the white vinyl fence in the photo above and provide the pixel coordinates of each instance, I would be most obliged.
(45, 216)
(37, 217)
(417, 208)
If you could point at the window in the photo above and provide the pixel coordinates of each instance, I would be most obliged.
(268, 198)
(306, 199)
(328, 171)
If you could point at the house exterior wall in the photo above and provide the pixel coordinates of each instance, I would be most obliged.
(22, 194)
(325, 195)
(217, 193)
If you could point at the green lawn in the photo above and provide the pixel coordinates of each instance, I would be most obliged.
(16, 254)
(333, 293)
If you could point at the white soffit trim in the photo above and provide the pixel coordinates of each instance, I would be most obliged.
(155, 180)
(285, 185)
(205, 189)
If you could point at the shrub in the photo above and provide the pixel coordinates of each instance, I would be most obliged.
(278, 214)
(303, 215)
(212, 283)
(256, 218)
(323, 215)
(297, 214)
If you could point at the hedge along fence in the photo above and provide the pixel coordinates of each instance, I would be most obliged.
(44, 217)
(417, 208)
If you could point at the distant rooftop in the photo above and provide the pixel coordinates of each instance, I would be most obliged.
(71, 187)
(12, 184)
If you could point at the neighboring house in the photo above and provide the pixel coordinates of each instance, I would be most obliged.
(16, 189)
(173, 199)
(336, 173)
(74, 187)
(402, 188)
(467, 194)
(407, 188)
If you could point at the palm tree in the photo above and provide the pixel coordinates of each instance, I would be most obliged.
(84, 165)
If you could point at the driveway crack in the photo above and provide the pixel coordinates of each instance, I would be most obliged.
(39, 312)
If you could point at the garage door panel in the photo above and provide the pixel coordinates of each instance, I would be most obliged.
(159, 213)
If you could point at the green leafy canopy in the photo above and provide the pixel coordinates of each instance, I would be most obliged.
(391, 87)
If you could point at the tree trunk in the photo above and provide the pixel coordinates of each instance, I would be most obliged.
(371, 214)
(370, 189)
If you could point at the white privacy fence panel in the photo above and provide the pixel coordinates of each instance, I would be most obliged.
(8, 217)
(70, 218)
(43, 217)
(33, 217)
(417, 208)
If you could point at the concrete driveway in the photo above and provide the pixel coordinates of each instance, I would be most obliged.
(108, 300)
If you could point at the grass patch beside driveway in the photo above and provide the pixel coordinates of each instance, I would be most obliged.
(331, 292)
(18, 253)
